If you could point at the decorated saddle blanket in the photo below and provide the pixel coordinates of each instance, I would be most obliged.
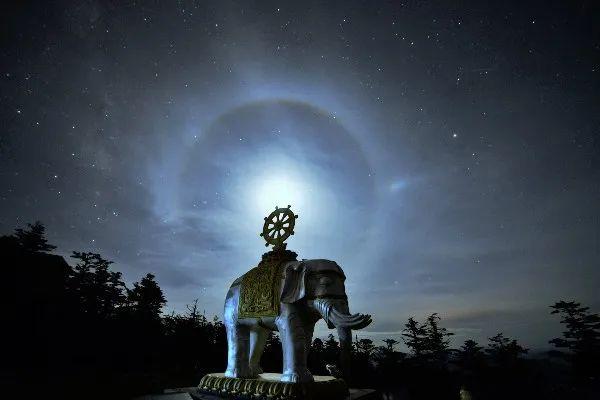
(261, 286)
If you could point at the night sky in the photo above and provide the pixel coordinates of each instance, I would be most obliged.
(446, 156)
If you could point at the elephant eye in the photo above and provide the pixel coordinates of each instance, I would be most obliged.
(325, 281)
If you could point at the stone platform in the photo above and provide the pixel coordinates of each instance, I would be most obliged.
(267, 386)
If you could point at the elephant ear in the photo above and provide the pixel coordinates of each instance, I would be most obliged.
(294, 283)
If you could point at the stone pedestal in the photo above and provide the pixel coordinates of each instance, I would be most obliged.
(269, 386)
(193, 393)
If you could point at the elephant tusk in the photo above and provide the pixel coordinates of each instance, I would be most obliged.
(355, 321)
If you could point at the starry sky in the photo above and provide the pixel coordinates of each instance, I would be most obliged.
(445, 154)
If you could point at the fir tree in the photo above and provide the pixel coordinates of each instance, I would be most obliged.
(415, 337)
(470, 355)
(332, 350)
(33, 239)
(504, 351)
(98, 290)
(146, 298)
(581, 337)
(437, 339)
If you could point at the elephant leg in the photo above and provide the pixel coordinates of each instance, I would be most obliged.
(293, 342)
(238, 338)
(258, 338)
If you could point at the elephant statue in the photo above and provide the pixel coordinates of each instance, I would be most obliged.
(309, 290)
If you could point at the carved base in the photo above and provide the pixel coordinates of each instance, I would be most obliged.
(268, 385)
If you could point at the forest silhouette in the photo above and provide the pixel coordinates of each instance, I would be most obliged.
(75, 331)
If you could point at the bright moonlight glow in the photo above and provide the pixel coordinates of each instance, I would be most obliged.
(265, 182)
(280, 190)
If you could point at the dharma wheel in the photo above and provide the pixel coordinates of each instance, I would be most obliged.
(279, 226)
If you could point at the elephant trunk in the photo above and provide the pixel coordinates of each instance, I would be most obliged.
(337, 314)
(345, 338)
(341, 315)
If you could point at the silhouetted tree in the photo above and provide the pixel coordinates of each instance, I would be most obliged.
(428, 344)
(219, 333)
(98, 290)
(194, 345)
(428, 341)
(317, 347)
(331, 352)
(33, 239)
(146, 298)
(471, 355)
(316, 357)
(390, 343)
(272, 358)
(387, 358)
(504, 351)
(415, 337)
(273, 342)
(581, 337)
(364, 347)
(437, 339)
(362, 366)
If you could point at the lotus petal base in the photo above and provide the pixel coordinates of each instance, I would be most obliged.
(269, 386)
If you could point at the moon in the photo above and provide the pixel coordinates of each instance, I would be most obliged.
(279, 189)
